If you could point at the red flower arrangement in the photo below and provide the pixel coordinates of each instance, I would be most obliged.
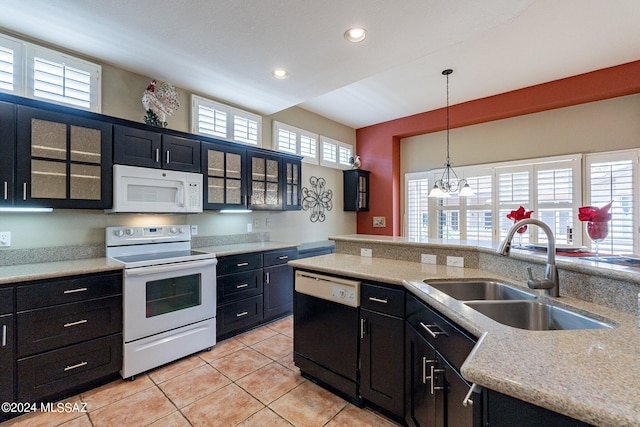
(594, 214)
(520, 214)
(597, 220)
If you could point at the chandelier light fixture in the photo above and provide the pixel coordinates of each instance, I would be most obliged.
(449, 183)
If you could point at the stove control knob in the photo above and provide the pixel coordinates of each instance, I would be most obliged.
(181, 230)
(130, 231)
(173, 230)
(118, 233)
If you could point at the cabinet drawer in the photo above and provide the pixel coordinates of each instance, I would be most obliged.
(69, 289)
(6, 300)
(237, 263)
(63, 372)
(233, 287)
(454, 344)
(48, 328)
(238, 315)
(281, 256)
(381, 299)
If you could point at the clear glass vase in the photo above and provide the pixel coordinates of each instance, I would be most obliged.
(597, 232)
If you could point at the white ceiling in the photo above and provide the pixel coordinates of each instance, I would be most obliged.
(227, 49)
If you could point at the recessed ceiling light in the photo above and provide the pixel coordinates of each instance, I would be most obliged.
(280, 73)
(355, 34)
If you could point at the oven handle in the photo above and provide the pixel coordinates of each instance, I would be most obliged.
(179, 266)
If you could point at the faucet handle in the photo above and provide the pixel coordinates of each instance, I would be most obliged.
(538, 284)
(530, 274)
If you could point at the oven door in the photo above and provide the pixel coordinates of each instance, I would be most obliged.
(164, 297)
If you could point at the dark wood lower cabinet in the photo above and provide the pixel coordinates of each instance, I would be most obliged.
(278, 291)
(382, 361)
(6, 358)
(60, 373)
(236, 316)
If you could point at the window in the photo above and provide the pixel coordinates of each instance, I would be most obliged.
(335, 154)
(221, 121)
(290, 139)
(550, 187)
(50, 75)
(417, 206)
(613, 176)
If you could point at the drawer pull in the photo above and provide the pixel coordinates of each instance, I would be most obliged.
(432, 333)
(242, 264)
(4, 335)
(79, 322)
(244, 313)
(380, 300)
(283, 257)
(73, 291)
(243, 285)
(76, 366)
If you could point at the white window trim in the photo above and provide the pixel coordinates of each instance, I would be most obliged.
(313, 159)
(231, 113)
(610, 156)
(336, 164)
(24, 54)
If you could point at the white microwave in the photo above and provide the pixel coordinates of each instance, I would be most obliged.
(146, 190)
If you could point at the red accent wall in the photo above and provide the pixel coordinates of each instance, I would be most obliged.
(379, 145)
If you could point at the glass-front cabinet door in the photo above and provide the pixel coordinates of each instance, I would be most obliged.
(293, 189)
(265, 189)
(223, 167)
(64, 161)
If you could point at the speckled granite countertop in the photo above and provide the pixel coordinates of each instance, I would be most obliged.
(46, 270)
(243, 248)
(591, 375)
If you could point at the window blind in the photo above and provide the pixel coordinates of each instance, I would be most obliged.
(6, 69)
(61, 83)
(417, 207)
(245, 130)
(212, 121)
(222, 121)
(286, 140)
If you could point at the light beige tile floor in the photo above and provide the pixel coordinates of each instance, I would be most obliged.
(249, 380)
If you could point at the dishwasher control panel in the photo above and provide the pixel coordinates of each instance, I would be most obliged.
(330, 288)
(343, 294)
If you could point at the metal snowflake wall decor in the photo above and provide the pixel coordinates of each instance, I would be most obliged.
(317, 199)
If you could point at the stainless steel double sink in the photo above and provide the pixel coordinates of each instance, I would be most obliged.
(513, 307)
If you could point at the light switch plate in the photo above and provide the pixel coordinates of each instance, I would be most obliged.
(194, 230)
(428, 259)
(366, 252)
(455, 261)
(5, 238)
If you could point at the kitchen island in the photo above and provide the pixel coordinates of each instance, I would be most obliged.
(589, 375)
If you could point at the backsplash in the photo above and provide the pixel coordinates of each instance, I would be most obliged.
(67, 253)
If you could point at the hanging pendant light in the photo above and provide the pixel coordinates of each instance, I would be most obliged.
(449, 183)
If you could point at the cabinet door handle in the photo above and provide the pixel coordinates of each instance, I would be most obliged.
(4, 335)
(157, 155)
(242, 264)
(76, 366)
(267, 277)
(24, 191)
(73, 291)
(78, 322)
(432, 333)
(243, 285)
(244, 313)
(168, 157)
(380, 300)
(435, 371)
(283, 257)
(425, 362)
(6, 190)
(363, 323)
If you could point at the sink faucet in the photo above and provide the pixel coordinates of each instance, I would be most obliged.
(550, 283)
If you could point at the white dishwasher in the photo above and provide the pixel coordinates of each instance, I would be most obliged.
(325, 332)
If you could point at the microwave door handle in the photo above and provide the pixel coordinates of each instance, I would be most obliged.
(181, 194)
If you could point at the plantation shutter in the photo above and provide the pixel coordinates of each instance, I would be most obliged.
(245, 129)
(479, 224)
(212, 121)
(417, 208)
(6, 68)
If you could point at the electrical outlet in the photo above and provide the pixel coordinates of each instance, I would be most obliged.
(455, 261)
(428, 259)
(267, 222)
(366, 252)
(194, 230)
(5, 238)
(249, 228)
(256, 223)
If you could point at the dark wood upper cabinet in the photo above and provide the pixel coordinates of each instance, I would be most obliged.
(8, 150)
(356, 190)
